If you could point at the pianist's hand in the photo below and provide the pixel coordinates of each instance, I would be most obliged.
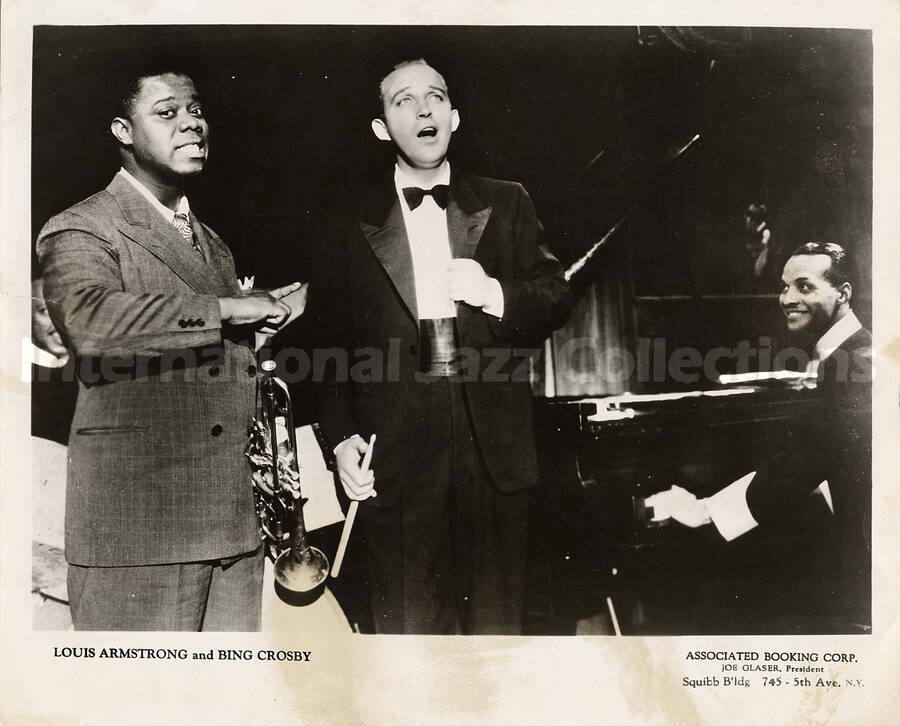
(684, 507)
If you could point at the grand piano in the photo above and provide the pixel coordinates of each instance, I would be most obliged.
(659, 276)
(599, 553)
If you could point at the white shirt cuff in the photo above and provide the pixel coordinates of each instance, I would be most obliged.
(729, 511)
(495, 305)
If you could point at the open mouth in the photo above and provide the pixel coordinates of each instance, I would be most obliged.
(195, 147)
(427, 132)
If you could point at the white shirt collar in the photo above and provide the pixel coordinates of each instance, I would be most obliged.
(836, 335)
(183, 206)
(402, 179)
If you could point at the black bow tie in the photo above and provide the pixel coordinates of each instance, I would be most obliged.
(414, 195)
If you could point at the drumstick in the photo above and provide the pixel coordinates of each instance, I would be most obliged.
(612, 615)
(351, 515)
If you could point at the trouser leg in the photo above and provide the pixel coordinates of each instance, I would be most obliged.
(174, 597)
(234, 602)
(449, 555)
(408, 546)
(153, 597)
(489, 537)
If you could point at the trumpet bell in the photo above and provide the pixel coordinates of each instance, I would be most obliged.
(300, 580)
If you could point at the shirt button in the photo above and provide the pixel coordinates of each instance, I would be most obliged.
(216, 430)
(201, 323)
(182, 323)
(214, 371)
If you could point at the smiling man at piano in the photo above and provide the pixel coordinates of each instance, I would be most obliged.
(832, 442)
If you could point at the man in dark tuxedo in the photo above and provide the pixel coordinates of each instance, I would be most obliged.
(831, 442)
(160, 528)
(461, 258)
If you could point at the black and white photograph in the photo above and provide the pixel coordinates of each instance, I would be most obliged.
(563, 350)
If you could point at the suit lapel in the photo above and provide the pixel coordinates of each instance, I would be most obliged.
(467, 217)
(386, 234)
(217, 256)
(382, 226)
(145, 226)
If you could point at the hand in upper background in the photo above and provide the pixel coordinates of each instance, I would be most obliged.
(759, 242)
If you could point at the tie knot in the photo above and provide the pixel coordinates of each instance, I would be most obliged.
(182, 223)
(414, 195)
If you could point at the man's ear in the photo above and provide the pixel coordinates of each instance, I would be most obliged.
(121, 129)
(454, 120)
(845, 292)
(379, 128)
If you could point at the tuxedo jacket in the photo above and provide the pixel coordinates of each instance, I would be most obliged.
(368, 307)
(832, 441)
(156, 467)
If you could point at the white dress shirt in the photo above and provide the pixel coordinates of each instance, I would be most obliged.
(429, 244)
(182, 208)
(728, 508)
(832, 340)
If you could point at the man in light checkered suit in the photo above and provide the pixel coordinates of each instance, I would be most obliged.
(161, 532)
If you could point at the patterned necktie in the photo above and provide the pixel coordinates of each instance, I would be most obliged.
(414, 196)
(182, 223)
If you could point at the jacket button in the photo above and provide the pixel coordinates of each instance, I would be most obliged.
(201, 323)
(182, 323)
(412, 349)
(251, 370)
(216, 430)
(214, 371)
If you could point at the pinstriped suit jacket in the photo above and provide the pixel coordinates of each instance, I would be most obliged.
(156, 467)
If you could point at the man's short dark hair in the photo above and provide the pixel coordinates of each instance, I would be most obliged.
(126, 86)
(397, 67)
(841, 269)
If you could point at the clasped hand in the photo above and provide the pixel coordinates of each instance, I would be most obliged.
(467, 282)
(271, 309)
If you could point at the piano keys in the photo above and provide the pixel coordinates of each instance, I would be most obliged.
(602, 457)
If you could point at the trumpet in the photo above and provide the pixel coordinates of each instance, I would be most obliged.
(300, 569)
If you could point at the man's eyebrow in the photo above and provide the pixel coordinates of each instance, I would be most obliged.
(439, 88)
(193, 98)
(402, 90)
(798, 280)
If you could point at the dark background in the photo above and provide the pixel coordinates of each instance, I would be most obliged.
(784, 117)
(589, 119)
